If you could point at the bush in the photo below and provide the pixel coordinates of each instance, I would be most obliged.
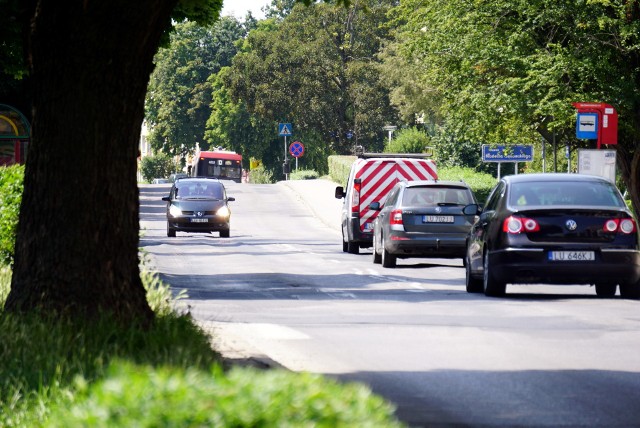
(339, 168)
(303, 174)
(409, 140)
(133, 395)
(11, 187)
(480, 183)
(158, 166)
(260, 175)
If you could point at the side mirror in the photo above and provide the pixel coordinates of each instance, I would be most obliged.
(472, 209)
(375, 206)
(339, 192)
(231, 198)
(166, 198)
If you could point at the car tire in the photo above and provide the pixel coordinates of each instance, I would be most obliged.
(388, 260)
(474, 285)
(491, 286)
(353, 247)
(225, 233)
(171, 232)
(377, 257)
(606, 290)
(630, 291)
(345, 246)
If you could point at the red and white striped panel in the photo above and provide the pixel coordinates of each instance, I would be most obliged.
(378, 176)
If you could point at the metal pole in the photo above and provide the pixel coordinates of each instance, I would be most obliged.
(286, 176)
(544, 156)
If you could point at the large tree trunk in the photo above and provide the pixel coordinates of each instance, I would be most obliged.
(77, 243)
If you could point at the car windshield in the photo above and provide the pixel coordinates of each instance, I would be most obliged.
(198, 190)
(435, 195)
(566, 193)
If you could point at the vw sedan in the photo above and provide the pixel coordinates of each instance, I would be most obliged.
(554, 229)
(198, 205)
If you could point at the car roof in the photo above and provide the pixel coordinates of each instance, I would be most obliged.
(552, 176)
(208, 180)
(439, 183)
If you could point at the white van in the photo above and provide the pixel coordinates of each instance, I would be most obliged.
(371, 178)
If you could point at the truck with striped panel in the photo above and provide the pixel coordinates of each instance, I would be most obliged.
(371, 178)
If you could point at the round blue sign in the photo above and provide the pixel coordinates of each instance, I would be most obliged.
(296, 149)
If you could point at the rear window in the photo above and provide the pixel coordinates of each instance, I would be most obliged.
(434, 195)
(577, 193)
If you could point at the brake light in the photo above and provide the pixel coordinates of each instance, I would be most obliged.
(517, 225)
(624, 225)
(355, 196)
(396, 217)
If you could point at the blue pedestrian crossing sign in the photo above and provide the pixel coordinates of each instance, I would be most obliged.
(285, 129)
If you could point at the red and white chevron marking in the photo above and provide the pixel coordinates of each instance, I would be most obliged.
(378, 176)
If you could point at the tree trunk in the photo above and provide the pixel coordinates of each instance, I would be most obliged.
(77, 242)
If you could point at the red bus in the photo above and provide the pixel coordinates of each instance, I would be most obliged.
(221, 164)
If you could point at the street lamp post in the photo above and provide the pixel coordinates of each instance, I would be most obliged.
(390, 129)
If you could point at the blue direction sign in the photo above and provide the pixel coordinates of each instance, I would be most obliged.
(285, 129)
(296, 149)
(507, 153)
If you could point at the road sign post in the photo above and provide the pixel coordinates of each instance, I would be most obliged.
(285, 130)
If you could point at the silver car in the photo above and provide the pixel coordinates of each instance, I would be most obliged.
(422, 219)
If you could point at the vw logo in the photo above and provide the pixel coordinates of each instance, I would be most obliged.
(571, 224)
(199, 213)
(438, 209)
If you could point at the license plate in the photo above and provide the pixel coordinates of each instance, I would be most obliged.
(199, 220)
(571, 256)
(437, 219)
(368, 227)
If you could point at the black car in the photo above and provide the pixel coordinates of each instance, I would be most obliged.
(198, 205)
(422, 219)
(554, 229)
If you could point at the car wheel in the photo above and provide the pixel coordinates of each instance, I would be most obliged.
(630, 291)
(606, 290)
(171, 232)
(388, 260)
(353, 247)
(492, 287)
(377, 257)
(225, 233)
(474, 285)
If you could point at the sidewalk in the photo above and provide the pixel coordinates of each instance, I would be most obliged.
(318, 195)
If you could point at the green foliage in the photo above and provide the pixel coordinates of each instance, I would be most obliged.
(480, 183)
(303, 174)
(339, 168)
(260, 175)
(11, 186)
(178, 100)
(133, 395)
(408, 140)
(158, 166)
(5, 284)
(325, 54)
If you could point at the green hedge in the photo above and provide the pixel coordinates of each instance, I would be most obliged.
(339, 167)
(303, 174)
(11, 186)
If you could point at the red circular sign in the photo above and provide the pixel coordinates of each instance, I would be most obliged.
(296, 149)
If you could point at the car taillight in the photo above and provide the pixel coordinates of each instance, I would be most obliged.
(623, 225)
(396, 217)
(355, 196)
(520, 224)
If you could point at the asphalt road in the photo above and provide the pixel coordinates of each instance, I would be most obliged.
(281, 290)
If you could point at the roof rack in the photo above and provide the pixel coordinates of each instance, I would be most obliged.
(360, 153)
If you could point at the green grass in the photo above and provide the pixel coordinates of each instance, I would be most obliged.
(61, 373)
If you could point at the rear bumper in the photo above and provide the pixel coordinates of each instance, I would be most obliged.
(364, 239)
(532, 265)
(420, 245)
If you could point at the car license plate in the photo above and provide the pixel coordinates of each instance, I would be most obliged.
(437, 219)
(199, 220)
(368, 227)
(571, 256)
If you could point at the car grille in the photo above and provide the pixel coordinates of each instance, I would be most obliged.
(192, 212)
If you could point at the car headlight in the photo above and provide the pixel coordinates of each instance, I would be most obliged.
(175, 211)
(223, 212)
